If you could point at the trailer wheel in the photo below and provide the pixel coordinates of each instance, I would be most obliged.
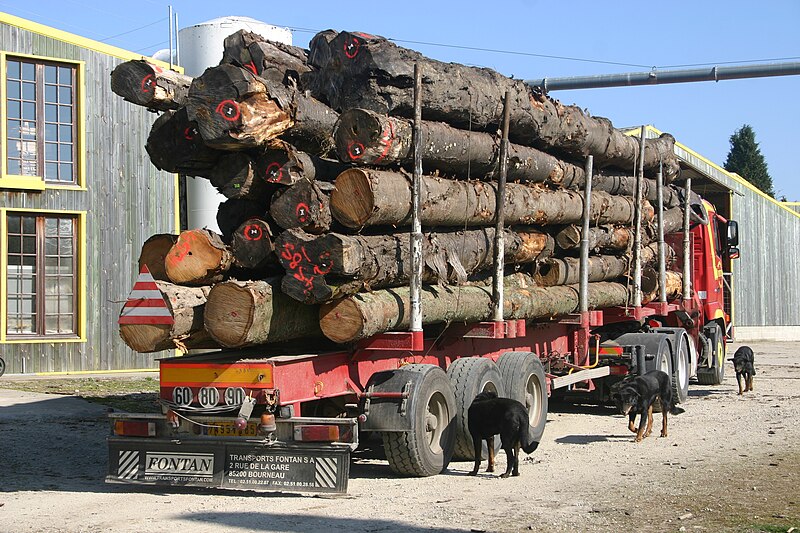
(680, 371)
(713, 355)
(524, 381)
(658, 350)
(469, 376)
(426, 450)
(2, 366)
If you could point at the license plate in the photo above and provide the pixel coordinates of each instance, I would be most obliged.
(227, 429)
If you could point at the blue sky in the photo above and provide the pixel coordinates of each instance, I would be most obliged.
(599, 37)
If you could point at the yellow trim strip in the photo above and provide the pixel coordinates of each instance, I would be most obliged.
(77, 40)
(235, 374)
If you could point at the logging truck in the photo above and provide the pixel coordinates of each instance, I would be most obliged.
(374, 327)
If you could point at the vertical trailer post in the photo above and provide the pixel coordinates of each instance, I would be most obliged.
(416, 225)
(687, 257)
(499, 241)
(662, 267)
(637, 237)
(169, 21)
(584, 264)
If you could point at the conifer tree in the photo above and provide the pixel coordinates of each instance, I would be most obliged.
(745, 159)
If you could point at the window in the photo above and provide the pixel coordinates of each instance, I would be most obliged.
(41, 120)
(41, 277)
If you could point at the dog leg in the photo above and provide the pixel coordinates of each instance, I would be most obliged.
(476, 445)
(739, 381)
(516, 448)
(642, 426)
(750, 382)
(632, 422)
(490, 447)
(509, 462)
(664, 423)
(649, 421)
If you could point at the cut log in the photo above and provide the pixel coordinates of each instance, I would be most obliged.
(304, 205)
(335, 265)
(148, 85)
(366, 314)
(371, 72)
(232, 213)
(252, 245)
(245, 313)
(601, 238)
(198, 257)
(154, 251)
(236, 176)
(283, 164)
(268, 59)
(236, 110)
(367, 197)
(175, 145)
(186, 305)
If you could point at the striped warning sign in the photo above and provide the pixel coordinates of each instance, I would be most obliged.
(146, 304)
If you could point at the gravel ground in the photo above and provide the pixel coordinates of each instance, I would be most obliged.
(730, 463)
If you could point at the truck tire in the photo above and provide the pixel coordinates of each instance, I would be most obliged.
(525, 381)
(681, 362)
(470, 376)
(657, 346)
(2, 366)
(426, 450)
(714, 355)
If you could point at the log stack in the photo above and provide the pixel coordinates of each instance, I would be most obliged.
(313, 149)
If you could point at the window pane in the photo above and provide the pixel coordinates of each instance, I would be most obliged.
(65, 95)
(65, 75)
(65, 226)
(65, 246)
(65, 172)
(29, 71)
(50, 93)
(51, 151)
(51, 112)
(13, 149)
(66, 324)
(65, 152)
(13, 89)
(14, 244)
(50, 74)
(12, 69)
(14, 223)
(65, 114)
(29, 111)
(14, 109)
(29, 225)
(28, 131)
(65, 134)
(29, 245)
(29, 91)
(51, 171)
(14, 131)
(51, 324)
(50, 132)
(14, 167)
(51, 246)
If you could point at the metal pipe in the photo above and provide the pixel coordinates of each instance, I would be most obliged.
(177, 42)
(637, 236)
(656, 77)
(583, 302)
(169, 19)
(662, 267)
(687, 257)
(499, 241)
(416, 225)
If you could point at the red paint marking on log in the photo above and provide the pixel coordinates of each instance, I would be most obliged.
(147, 84)
(190, 133)
(156, 68)
(274, 173)
(181, 249)
(387, 139)
(351, 48)
(324, 262)
(251, 67)
(302, 213)
(364, 35)
(229, 110)
(355, 150)
(253, 232)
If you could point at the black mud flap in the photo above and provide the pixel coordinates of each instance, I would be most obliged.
(228, 465)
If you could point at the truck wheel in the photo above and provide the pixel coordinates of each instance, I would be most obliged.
(524, 381)
(426, 450)
(658, 350)
(680, 370)
(2, 366)
(714, 355)
(469, 376)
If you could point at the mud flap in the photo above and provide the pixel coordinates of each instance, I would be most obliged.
(229, 465)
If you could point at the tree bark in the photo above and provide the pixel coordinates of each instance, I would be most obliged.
(333, 265)
(236, 110)
(601, 238)
(199, 257)
(373, 73)
(245, 313)
(252, 245)
(233, 212)
(366, 197)
(304, 205)
(143, 83)
(366, 314)
(154, 251)
(283, 164)
(236, 176)
(175, 145)
(186, 305)
(268, 59)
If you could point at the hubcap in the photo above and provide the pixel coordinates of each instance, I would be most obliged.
(434, 421)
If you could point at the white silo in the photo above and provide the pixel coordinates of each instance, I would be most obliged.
(201, 47)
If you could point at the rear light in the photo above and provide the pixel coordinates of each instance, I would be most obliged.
(316, 433)
(267, 424)
(134, 428)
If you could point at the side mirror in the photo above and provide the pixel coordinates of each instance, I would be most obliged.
(733, 233)
(733, 253)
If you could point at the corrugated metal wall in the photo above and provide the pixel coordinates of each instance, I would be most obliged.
(126, 201)
(767, 275)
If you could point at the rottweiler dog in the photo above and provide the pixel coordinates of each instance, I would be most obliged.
(638, 395)
(488, 416)
(744, 364)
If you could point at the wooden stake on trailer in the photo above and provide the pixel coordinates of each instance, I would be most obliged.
(499, 242)
(583, 302)
(637, 233)
(416, 225)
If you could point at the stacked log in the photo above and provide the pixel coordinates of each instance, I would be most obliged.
(313, 151)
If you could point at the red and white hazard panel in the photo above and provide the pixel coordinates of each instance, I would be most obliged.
(146, 304)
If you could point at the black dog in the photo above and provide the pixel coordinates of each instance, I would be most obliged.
(638, 395)
(488, 416)
(743, 363)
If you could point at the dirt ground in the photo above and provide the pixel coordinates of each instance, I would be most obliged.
(731, 463)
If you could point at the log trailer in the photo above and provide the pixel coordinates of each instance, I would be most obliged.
(271, 419)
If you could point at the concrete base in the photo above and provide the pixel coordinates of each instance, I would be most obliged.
(766, 333)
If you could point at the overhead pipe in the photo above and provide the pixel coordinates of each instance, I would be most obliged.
(659, 77)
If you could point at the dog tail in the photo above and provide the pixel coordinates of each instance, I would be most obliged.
(530, 447)
(676, 410)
